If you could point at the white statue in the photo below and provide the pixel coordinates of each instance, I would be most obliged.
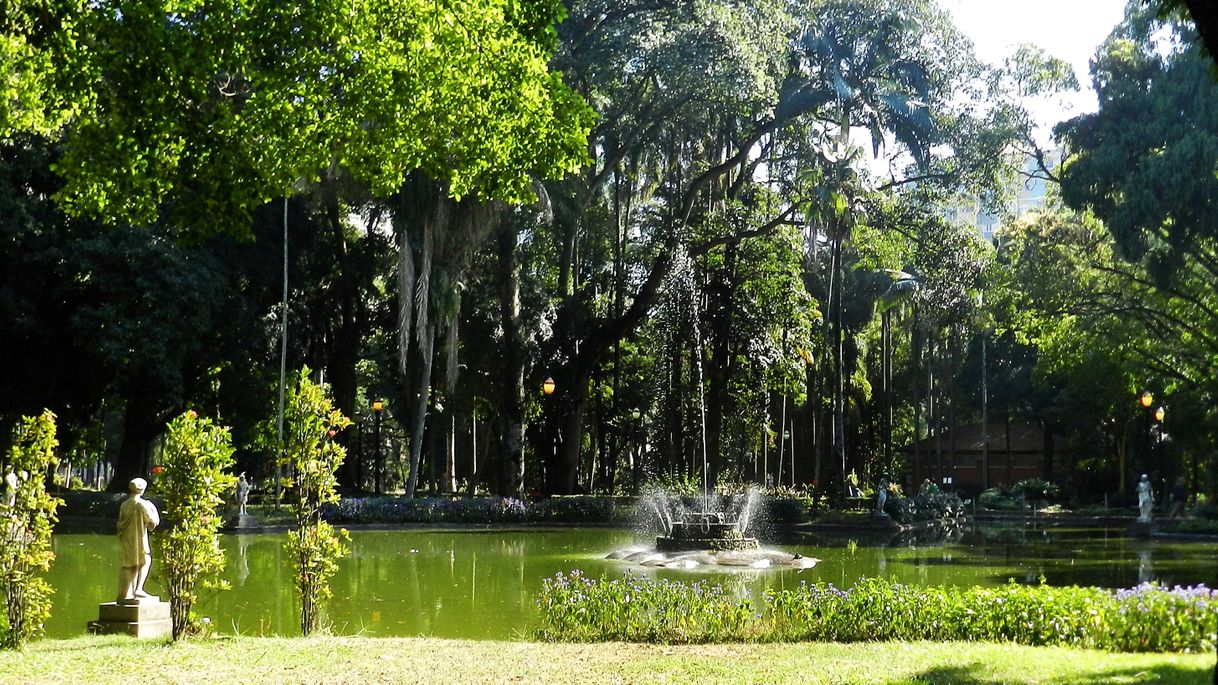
(136, 517)
(10, 489)
(243, 493)
(1146, 499)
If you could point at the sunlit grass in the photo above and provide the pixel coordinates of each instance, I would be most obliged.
(374, 660)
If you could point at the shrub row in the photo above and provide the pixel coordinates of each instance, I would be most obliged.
(572, 509)
(1017, 496)
(930, 506)
(579, 509)
(1148, 618)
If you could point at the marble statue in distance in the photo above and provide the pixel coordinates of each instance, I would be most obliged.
(1146, 500)
(243, 493)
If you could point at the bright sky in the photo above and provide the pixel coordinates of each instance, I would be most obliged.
(1066, 29)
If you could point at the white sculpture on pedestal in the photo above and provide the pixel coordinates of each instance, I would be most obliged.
(136, 517)
(243, 493)
(1146, 500)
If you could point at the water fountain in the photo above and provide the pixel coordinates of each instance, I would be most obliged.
(708, 531)
(715, 532)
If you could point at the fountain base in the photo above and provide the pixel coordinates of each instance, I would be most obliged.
(755, 558)
(711, 531)
(712, 544)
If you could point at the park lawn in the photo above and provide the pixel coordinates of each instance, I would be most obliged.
(364, 660)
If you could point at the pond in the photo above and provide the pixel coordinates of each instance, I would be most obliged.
(482, 584)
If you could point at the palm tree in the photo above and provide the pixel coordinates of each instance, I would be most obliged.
(437, 236)
(901, 289)
(856, 64)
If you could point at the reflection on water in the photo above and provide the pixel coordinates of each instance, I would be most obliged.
(482, 584)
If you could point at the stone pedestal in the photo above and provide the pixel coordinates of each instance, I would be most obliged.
(1141, 529)
(237, 522)
(140, 617)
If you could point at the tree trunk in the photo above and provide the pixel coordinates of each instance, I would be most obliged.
(141, 424)
(563, 433)
(420, 408)
(510, 414)
(839, 394)
(932, 408)
(886, 384)
(951, 403)
(345, 345)
(448, 479)
(915, 363)
(720, 372)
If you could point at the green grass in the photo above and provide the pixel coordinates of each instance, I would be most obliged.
(375, 660)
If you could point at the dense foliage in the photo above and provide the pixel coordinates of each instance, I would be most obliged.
(761, 254)
(576, 509)
(27, 515)
(1019, 495)
(379, 89)
(312, 457)
(192, 482)
(1147, 618)
(927, 506)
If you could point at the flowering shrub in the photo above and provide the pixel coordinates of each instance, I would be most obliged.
(1152, 618)
(1145, 618)
(192, 482)
(25, 530)
(312, 457)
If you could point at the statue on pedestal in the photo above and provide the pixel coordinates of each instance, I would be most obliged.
(243, 493)
(1146, 500)
(136, 517)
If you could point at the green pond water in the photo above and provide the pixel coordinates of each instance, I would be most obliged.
(482, 584)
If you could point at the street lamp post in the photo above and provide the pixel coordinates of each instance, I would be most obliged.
(378, 456)
(547, 388)
(786, 439)
(1158, 415)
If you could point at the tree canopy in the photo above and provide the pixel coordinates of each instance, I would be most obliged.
(209, 109)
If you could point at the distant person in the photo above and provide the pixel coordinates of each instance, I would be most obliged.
(928, 488)
(881, 495)
(1179, 497)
